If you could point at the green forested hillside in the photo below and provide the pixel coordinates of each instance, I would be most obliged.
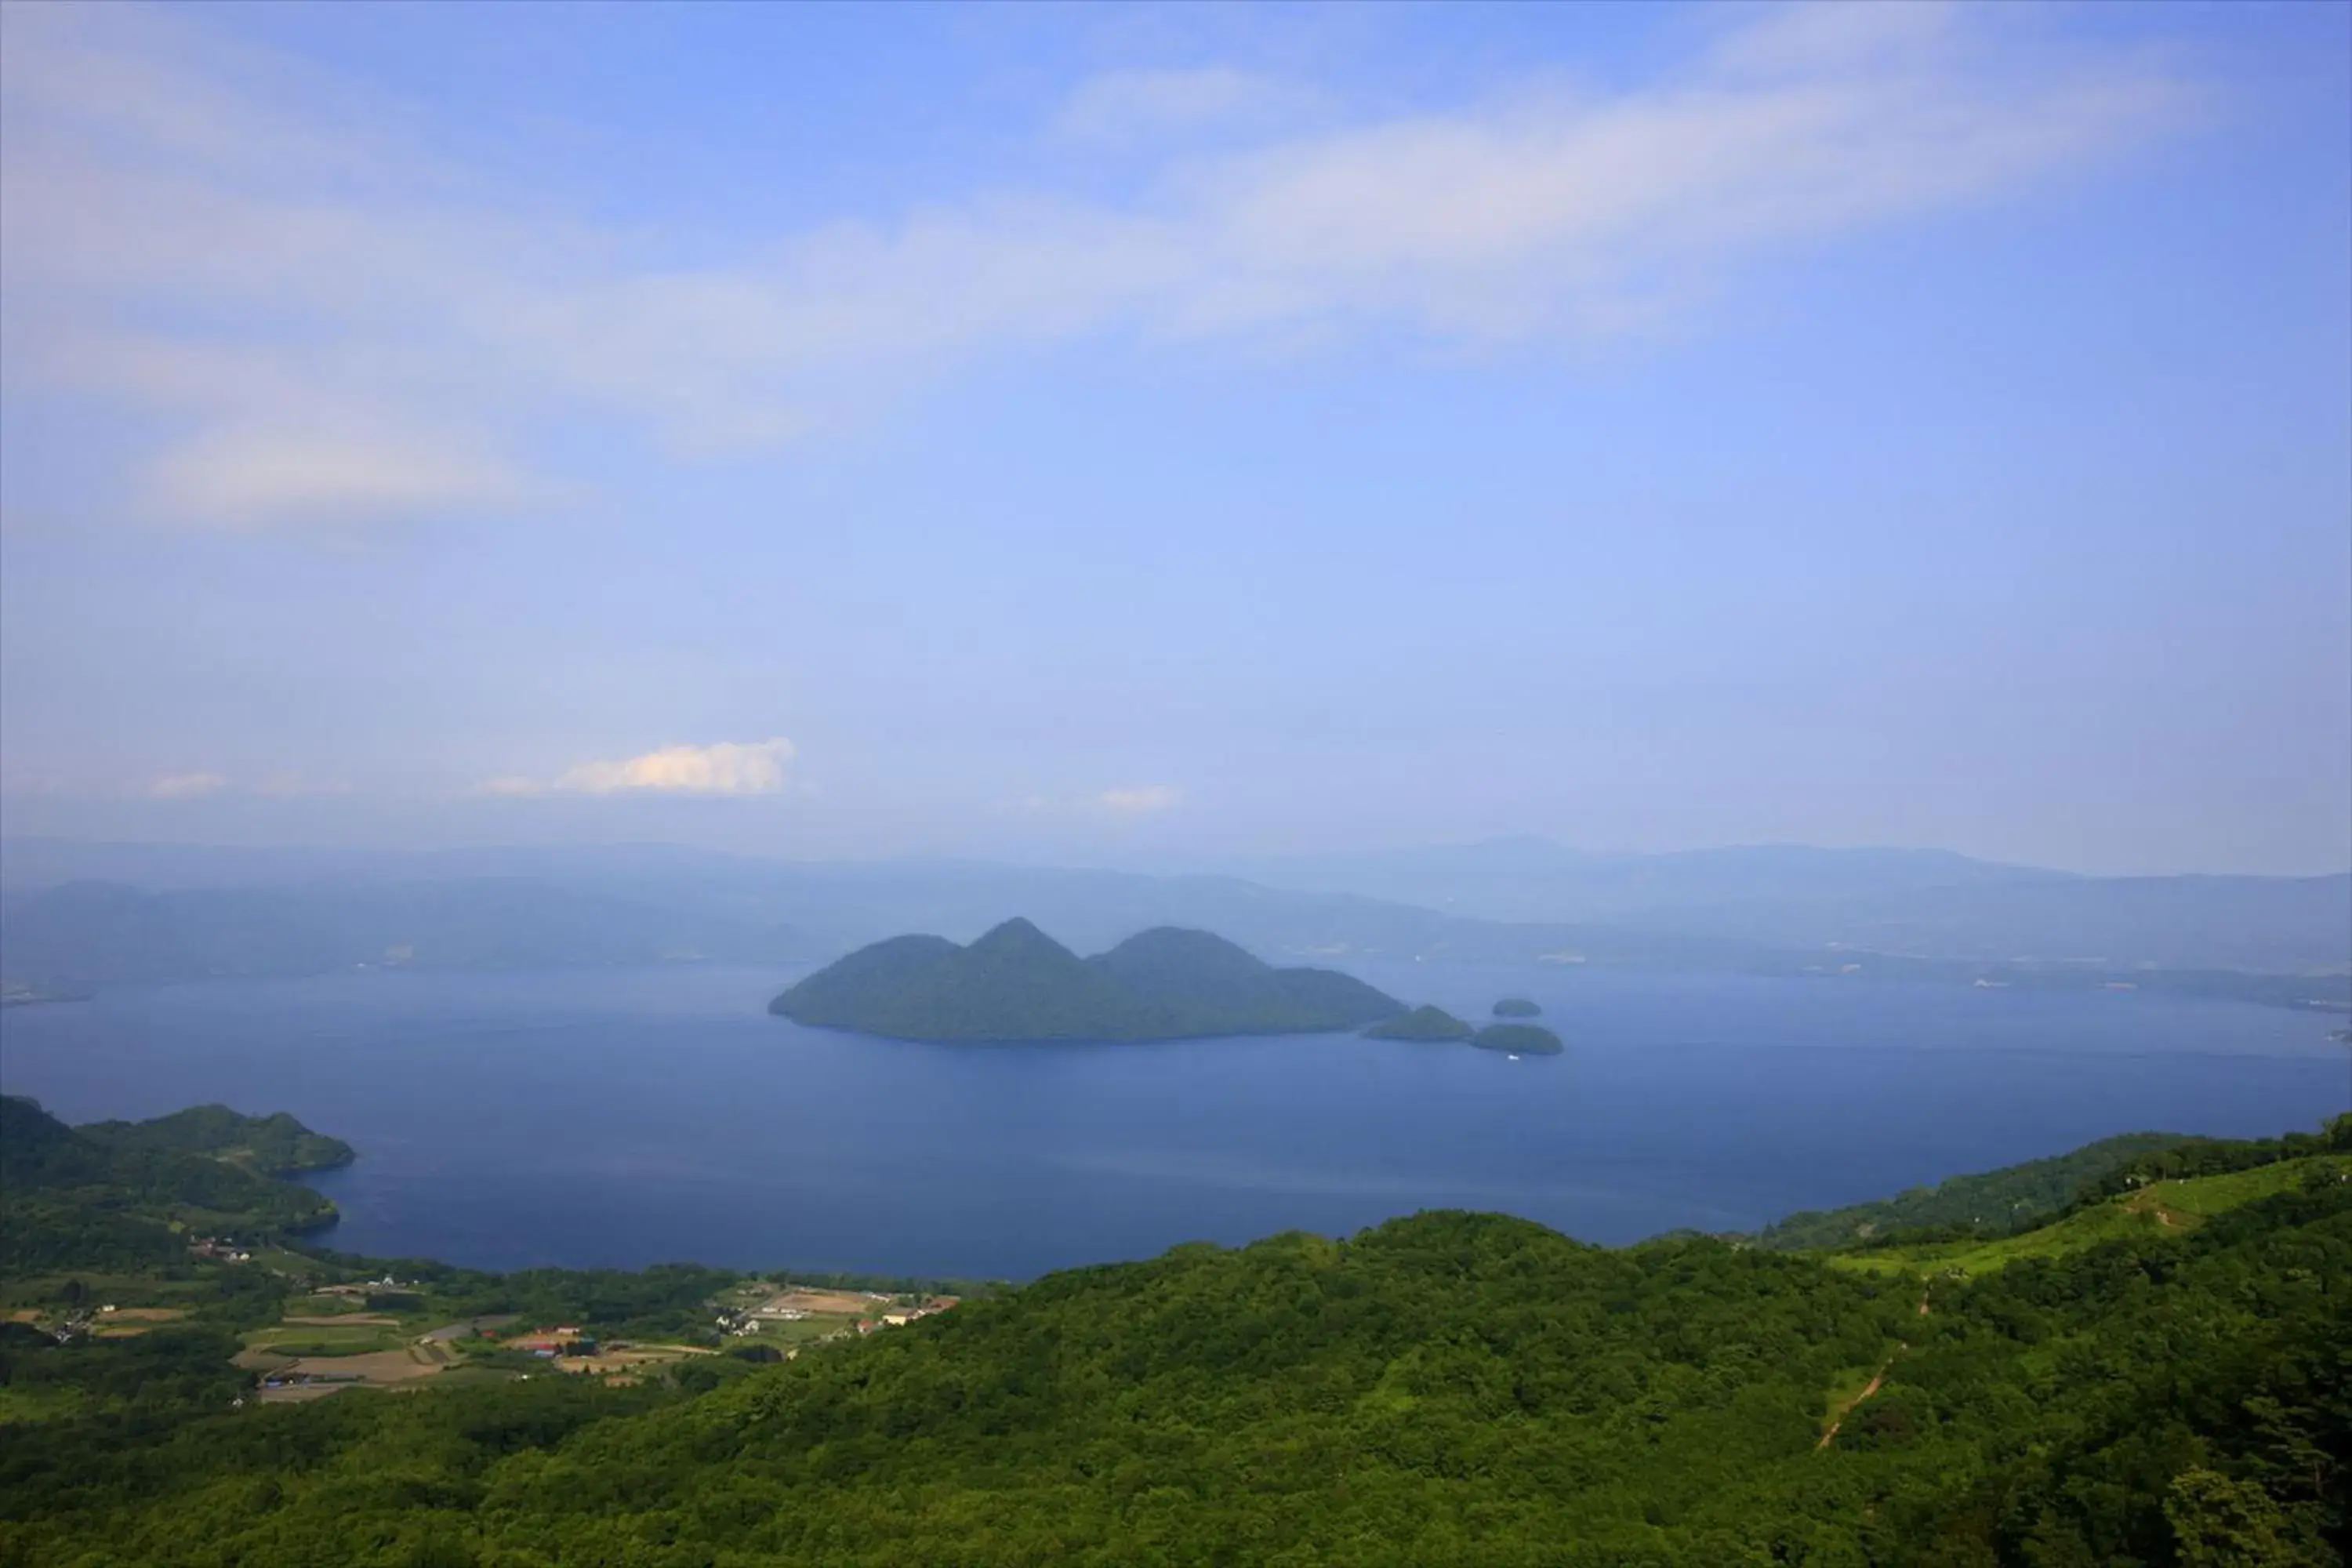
(2152, 1213)
(1992, 1203)
(1017, 984)
(264, 1144)
(1448, 1388)
(112, 1194)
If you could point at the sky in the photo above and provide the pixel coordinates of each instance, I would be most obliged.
(1162, 435)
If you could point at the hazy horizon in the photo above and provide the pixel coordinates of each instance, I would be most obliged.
(1169, 437)
(1236, 866)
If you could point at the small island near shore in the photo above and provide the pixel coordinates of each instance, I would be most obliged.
(1517, 1007)
(1421, 1023)
(1016, 983)
(1438, 1026)
(1518, 1039)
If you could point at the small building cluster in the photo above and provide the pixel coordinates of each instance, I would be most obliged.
(854, 1311)
(563, 1340)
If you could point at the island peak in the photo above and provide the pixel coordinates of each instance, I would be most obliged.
(1019, 935)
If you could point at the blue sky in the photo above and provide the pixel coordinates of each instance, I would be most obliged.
(1156, 435)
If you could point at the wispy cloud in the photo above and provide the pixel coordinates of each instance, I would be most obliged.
(184, 786)
(291, 472)
(1138, 800)
(726, 767)
(291, 785)
(331, 329)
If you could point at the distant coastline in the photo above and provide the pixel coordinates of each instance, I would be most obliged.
(14, 995)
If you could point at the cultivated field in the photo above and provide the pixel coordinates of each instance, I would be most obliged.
(825, 1303)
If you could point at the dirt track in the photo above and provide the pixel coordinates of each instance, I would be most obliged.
(1877, 1379)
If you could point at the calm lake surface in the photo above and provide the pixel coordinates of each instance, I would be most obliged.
(627, 1117)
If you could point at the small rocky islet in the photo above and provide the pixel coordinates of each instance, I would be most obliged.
(1439, 1027)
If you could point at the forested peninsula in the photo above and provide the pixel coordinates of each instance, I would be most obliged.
(1430, 1024)
(1016, 983)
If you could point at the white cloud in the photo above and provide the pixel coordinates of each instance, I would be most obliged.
(512, 786)
(725, 767)
(332, 330)
(186, 786)
(1127, 802)
(1140, 800)
(265, 477)
(729, 767)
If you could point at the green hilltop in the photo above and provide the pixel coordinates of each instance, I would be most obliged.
(1017, 984)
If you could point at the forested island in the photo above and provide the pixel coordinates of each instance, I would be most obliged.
(1518, 1039)
(1016, 983)
(2151, 1368)
(1434, 1024)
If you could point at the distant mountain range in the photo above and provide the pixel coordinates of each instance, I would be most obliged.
(1924, 903)
(1016, 982)
(87, 934)
(78, 917)
(1526, 879)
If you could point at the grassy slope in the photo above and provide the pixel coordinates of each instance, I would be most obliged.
(2157, 1210)
(1988, 1201)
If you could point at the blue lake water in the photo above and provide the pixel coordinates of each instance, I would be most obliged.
(626, 1117)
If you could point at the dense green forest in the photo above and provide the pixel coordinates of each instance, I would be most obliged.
(1445, 1388)
(1017, 984)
